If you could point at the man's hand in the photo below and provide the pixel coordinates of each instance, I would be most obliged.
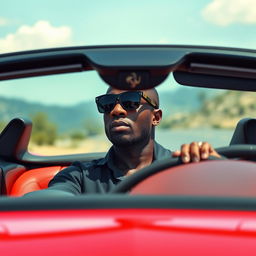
(195, 152)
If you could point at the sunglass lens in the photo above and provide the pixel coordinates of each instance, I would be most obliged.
(106, 103)
(130, 100)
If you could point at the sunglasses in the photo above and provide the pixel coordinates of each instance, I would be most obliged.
(128, 101)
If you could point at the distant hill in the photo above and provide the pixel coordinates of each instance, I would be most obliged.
(221, 111)
(184, 99)
(66, 118)
(75, 117)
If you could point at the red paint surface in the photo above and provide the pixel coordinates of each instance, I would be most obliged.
(128, 232)
(228, 178)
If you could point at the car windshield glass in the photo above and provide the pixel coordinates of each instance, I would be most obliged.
(66, 121)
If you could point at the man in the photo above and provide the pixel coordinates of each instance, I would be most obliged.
(130, 118)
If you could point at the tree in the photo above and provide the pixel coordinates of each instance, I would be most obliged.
(92, 128)
(202, 96)
(44, 131)
(2, 125)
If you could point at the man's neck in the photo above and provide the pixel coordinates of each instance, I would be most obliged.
(133, 158)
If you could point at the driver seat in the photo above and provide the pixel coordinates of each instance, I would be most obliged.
(245, 132)
(34, 179)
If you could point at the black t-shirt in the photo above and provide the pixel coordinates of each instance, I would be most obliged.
(97, 176)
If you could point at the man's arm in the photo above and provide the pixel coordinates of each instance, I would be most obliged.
(48, 193)
(66, 182)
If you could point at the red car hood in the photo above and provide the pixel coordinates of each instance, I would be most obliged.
(128, 232)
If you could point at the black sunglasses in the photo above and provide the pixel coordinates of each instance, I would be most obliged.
(128, 100)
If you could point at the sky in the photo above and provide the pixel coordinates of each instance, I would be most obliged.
(32, 24)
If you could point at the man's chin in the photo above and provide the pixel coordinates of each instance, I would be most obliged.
(121, 140)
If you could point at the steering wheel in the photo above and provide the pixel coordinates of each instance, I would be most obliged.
(235, 151)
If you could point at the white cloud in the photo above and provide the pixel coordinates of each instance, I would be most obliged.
(3, 21)
(227, 12)
(41, 35)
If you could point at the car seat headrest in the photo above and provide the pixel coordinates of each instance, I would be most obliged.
(245, 132)
(15, 137)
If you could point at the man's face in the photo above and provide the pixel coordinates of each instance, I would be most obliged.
(127, 127)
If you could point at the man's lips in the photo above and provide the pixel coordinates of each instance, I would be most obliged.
(119, 123)
(119, 126)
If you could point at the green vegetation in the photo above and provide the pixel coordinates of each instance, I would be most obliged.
(44, 132)
(92, 128)
(2, 125)
(77, 136)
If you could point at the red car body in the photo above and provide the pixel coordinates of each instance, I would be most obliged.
(128, 232)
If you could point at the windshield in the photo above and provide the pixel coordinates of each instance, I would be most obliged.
(66, 121)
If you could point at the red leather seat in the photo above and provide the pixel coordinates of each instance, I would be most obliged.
(34, 179)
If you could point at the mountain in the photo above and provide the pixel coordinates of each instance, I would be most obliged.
(68, 118)
(65, 117)
(221, 111)
(184, 99)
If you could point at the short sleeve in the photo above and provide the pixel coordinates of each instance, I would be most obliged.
(68, 180)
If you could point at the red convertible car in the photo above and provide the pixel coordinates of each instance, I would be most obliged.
(167, 208)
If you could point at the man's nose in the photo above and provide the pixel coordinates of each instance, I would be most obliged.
(118, 110)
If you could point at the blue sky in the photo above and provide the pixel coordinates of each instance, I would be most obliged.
(31, 24)
(87, 22)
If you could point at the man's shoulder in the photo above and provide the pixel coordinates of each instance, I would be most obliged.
(84, 165)
(161, 152)
(82, 169)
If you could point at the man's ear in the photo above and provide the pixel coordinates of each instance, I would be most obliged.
(157, 117)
